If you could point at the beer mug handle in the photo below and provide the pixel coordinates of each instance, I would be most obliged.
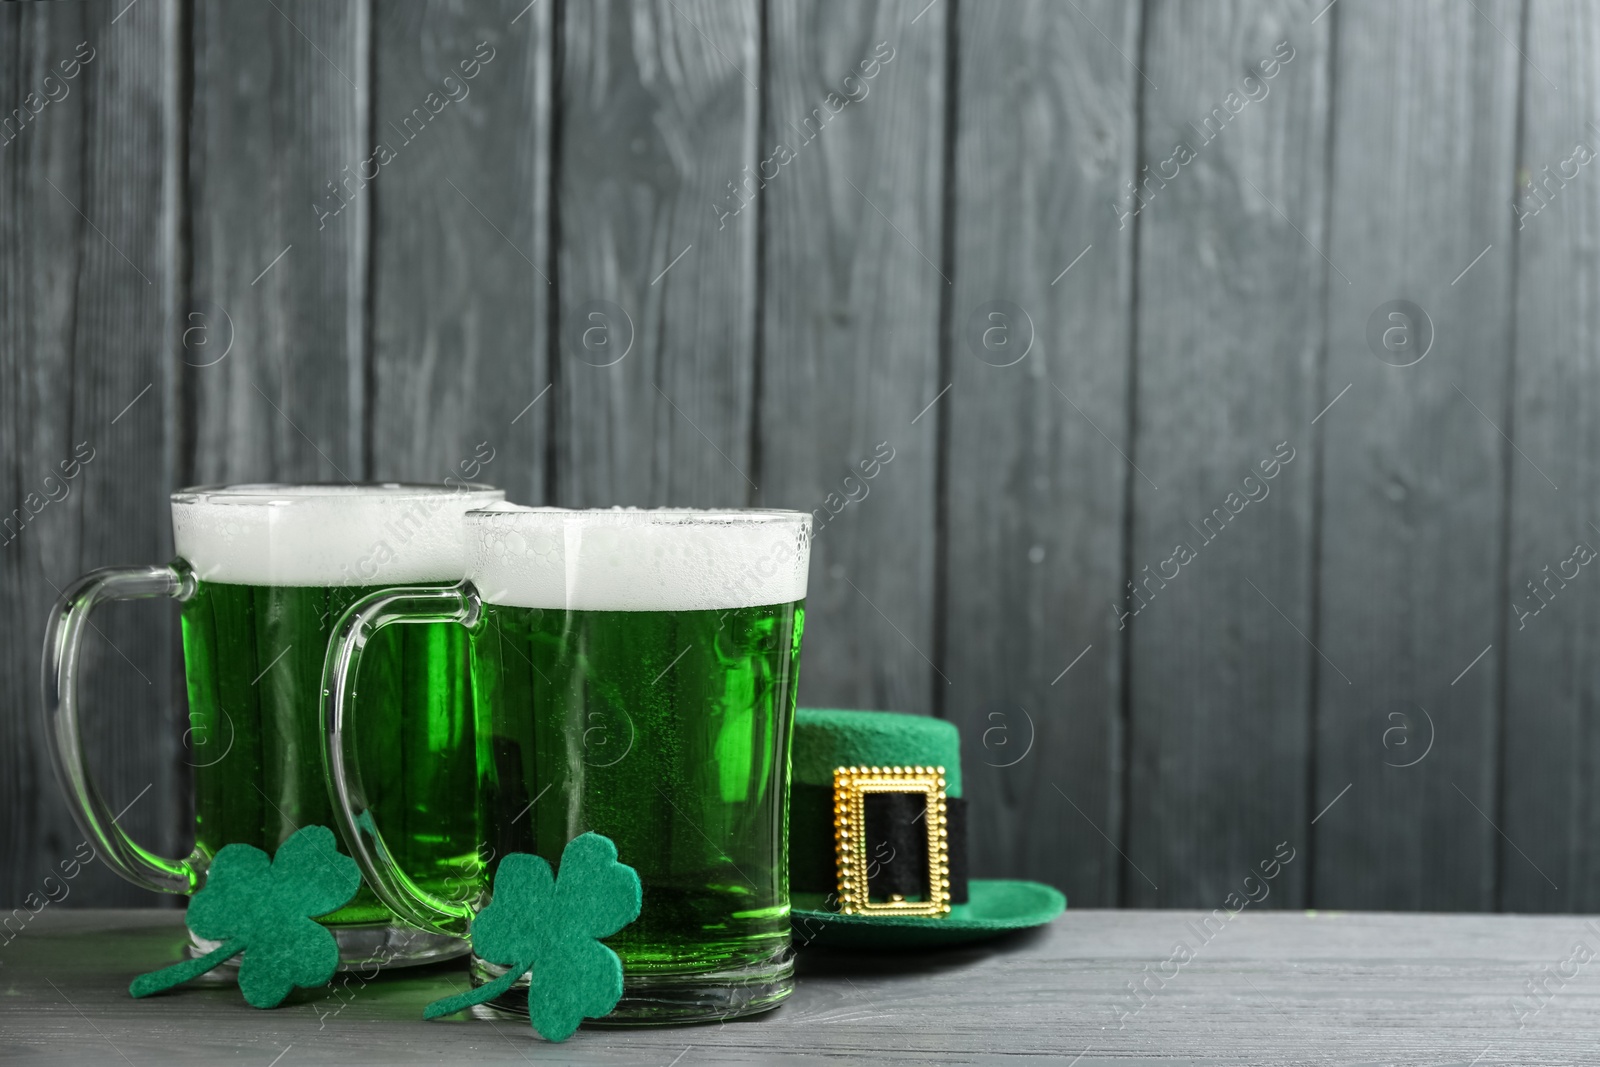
(413, 604)
(63, 642)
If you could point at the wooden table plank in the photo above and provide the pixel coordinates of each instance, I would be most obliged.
(1268, 987)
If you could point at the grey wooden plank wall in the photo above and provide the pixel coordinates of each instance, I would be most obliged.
(1238, 365)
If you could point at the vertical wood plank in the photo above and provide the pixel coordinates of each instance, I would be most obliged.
(461, 266)
(658, 108)
(850, 330)
(1229, 292)
(1552, 747)
(1037, 423)
(87, 269)
(278, 135)
(1414, 470)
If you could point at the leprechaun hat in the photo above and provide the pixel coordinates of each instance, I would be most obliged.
(878, 839)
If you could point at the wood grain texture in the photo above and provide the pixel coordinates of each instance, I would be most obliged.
(1551, 745)
(460, 289)
(1414, 477)
(88, 273)
(570, 264)
(1266, 988)
(1229, 291)
(1038, 434)
(278, 131)
(850, 331)
(657, 102)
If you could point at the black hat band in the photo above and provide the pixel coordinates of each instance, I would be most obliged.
(896, 844)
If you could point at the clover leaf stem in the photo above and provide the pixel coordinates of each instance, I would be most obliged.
(488, 991)
(178, 973)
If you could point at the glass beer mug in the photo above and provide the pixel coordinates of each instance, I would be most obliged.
(263, 574)
(633, 674)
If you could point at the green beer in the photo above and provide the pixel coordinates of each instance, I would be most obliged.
(633, 674)
(665, 731)
(275, 567)
(253, 658)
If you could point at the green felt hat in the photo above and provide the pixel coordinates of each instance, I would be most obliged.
(892, 782)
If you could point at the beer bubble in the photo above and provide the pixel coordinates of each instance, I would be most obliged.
(546, 548)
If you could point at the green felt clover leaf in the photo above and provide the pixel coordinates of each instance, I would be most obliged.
(264, 909)
(550, 925)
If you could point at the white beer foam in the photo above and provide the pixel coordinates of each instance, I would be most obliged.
(666, 559)
(323, 535)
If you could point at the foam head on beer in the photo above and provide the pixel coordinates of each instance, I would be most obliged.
(628, 559)
(326, 535)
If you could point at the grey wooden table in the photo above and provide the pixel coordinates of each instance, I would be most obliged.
(1271, 987)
